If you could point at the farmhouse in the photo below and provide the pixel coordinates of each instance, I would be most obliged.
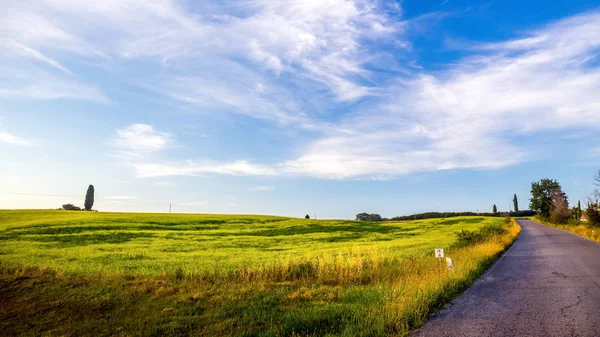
(583, 218)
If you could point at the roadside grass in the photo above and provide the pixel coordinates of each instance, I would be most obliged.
(80, 273)
(589, 232)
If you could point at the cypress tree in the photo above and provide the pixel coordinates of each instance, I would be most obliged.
(516, 203)
(579, 209)
(495, 209)
(89, 198)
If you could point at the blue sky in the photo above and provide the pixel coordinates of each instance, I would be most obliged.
(332, 107)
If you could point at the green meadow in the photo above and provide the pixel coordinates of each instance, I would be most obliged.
(86, 273)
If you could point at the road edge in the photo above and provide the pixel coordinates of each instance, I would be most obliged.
(488, 270)
(564, 230)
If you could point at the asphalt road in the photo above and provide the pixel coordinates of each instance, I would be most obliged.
(546, 284)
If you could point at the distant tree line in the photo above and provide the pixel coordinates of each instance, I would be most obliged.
(368, 217)
(435, 215)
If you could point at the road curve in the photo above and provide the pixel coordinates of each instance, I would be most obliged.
(546, 284)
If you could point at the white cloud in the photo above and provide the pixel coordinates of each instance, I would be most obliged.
(165, 183)
(8, 45)
(300, 63)
(53, 90)
(193, 168)
(262, 188)
(8, 138)
(141, 138)
(460, 118)
(314, 45)
(465, 117)
(137, 142)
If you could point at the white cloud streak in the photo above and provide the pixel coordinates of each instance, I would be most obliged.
(305, 44)
(198, 167)
(465, 117)
(294, 61)
(262, 188)
(8, 138)
(8, 45)
(141, 138)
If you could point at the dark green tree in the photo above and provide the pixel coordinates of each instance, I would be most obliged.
(70, 207)
(368, 217)
(307, 216)
(541, 196)
(579, 209)
(495, 209)
(89, 198)
(593, 214)
(516, 203)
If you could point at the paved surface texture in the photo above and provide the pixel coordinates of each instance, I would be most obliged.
(546, 284)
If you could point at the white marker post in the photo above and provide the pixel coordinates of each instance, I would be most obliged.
(449, 263)
(439, 254)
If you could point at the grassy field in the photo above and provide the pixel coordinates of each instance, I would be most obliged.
(83, 273)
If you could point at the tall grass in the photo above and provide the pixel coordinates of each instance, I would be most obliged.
(360, 289)
(579, 228)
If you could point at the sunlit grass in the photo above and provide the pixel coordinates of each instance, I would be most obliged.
(582, 229)
(221, 275)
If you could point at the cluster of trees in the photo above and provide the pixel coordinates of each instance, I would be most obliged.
(435, 215)
(432, 215)
(368, 217)
(552, 203)
(87, 204)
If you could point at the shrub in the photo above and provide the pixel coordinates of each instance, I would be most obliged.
(70, 207)
(467, 238)
(593, 214)
(368, 217)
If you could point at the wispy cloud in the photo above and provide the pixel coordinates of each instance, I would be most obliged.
(8, 45)
(321, 47)
(301, 65)
(164, 183)
(262, 188)
(197, 167)
(136, 144)
(141, 138)
(466, 116)
(8, 138)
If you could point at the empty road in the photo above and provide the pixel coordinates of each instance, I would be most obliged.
(547, 284)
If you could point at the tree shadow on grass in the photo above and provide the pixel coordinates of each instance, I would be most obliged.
(80, 240)
(462, 221)
(65, 230)
(359, 229)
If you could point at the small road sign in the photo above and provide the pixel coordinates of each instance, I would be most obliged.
(439, 253)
